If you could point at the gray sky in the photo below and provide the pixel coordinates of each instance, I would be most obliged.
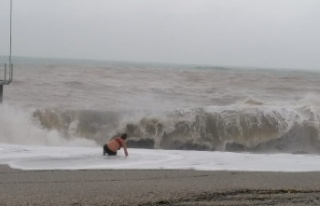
(263, 33)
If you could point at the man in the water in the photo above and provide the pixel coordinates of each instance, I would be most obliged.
(116, 144)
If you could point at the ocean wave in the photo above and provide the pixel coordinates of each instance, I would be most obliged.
(18, 126)
(254, 128)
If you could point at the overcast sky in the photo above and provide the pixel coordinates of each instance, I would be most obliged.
(257, 33)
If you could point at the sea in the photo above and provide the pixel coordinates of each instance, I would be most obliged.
(57, 114)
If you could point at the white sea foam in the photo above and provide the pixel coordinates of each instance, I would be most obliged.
(71, 158)
(17, 126)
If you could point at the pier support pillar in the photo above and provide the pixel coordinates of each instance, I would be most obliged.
(1, 93)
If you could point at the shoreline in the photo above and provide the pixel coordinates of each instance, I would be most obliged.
(157, 187)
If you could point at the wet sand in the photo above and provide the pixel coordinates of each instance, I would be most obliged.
(156, 187)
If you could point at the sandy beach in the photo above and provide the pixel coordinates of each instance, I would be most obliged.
(157, 187)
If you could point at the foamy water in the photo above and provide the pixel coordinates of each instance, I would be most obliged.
(73, 107)
(71, 158)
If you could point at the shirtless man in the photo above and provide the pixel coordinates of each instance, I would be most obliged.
(115, 144)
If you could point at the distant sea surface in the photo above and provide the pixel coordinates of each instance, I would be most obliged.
(162, 106)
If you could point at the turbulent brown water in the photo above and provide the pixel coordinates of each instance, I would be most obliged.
(164, 106)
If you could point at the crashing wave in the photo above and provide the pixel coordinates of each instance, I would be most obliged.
(253, 129)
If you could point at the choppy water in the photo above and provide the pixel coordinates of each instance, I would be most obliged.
(162, 106)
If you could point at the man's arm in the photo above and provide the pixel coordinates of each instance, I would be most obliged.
(125, 149)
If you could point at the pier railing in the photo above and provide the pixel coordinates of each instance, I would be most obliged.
(7, 74)
(8, 68)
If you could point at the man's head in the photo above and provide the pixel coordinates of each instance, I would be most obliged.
(124, 136)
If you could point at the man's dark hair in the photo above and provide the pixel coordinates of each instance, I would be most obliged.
(124, 136)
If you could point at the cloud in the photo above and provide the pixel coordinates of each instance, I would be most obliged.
(221, 32)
